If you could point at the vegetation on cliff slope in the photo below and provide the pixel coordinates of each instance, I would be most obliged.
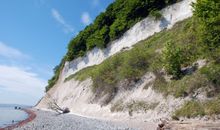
(130, 66)
(175, 51)
(160, 51)
(188, 41)
(195, 108)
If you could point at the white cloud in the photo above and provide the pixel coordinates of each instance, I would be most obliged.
(59, 18)
(12, 53)
(18, 80)
(86, 19)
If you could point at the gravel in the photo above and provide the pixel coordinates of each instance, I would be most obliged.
(52, 121)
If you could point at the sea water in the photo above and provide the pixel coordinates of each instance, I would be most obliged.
(9, 115)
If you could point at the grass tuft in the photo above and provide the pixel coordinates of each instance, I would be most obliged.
(193, 109)
(190, 109)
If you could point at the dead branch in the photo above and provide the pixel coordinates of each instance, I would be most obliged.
(53, 105)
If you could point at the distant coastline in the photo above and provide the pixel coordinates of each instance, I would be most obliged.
(13, 105)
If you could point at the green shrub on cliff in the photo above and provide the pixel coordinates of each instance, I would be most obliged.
(172, 59)
(212, 72)
(207, 11)
(193, 108)
(212, 107)
(190, 109)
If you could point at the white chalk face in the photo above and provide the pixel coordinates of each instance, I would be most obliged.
(140, 31)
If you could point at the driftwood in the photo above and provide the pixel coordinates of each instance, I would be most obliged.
(53, 105)
(163, 125)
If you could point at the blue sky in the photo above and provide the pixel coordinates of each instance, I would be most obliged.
(33, 38)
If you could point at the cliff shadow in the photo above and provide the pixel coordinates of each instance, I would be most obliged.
(164, 23)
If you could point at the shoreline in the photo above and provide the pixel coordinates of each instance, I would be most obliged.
(31, 116)
(46, 120)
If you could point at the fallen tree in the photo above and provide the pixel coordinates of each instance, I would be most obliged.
(53, 105)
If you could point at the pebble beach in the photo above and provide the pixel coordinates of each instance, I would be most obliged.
(46, 120)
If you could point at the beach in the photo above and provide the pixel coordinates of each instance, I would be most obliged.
(46, 120)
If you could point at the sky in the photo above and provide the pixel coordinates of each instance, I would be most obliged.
(33, 39)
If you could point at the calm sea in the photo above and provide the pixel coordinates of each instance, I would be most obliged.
(8, 115)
